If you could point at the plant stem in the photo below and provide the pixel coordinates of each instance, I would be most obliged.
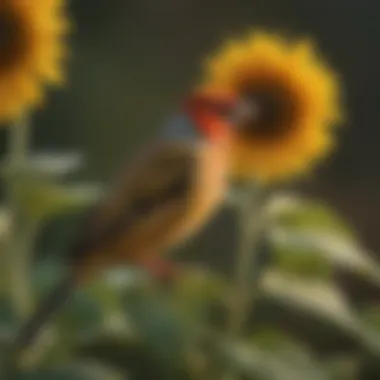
(22, 230)
(19, 142)
(249, 227)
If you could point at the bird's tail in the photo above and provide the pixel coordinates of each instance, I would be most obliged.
(30, 330)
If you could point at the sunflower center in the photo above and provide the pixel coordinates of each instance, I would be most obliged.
(275, 111)
(12, 37)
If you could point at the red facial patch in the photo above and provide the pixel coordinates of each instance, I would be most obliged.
(210, 113)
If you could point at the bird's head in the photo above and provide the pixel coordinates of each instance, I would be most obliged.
(216, 113)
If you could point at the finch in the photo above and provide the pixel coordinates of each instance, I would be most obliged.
(164, 195)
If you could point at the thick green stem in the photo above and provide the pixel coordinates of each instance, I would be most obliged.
(19, 142)
(250, 225)
(22, 230)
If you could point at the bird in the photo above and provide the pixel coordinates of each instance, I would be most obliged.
(166, 193)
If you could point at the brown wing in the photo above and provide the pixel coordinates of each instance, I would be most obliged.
(158, 178)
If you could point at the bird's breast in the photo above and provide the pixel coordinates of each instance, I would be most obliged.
(209, 183)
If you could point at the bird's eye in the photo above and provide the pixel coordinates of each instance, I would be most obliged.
(221, 108)
(243, 111)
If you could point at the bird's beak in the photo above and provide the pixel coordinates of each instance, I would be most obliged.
(213, 101)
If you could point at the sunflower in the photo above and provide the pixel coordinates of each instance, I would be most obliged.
(295, 98)
(32, 51)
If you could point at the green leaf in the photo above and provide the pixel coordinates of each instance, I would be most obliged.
(80, 319)
(293, 211)
(256, 363)
(133, 357)
(302, 262)
(48, 164)
(45, 165)
(320, 299)
(344, 367)
(121, 279)
(41, 199)
(104, 294)
(195, 293)
(298, 245)
(157, 325)
(153, 319)
(371, 316)
(273, 339)
(46, 275)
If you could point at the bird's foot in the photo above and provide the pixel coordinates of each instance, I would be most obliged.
(160, 269)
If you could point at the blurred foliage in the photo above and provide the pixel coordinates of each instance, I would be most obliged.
(126, 325)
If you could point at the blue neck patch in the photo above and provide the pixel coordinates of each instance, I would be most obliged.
(180, 127)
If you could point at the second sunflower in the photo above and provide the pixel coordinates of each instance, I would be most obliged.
(32, 49)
